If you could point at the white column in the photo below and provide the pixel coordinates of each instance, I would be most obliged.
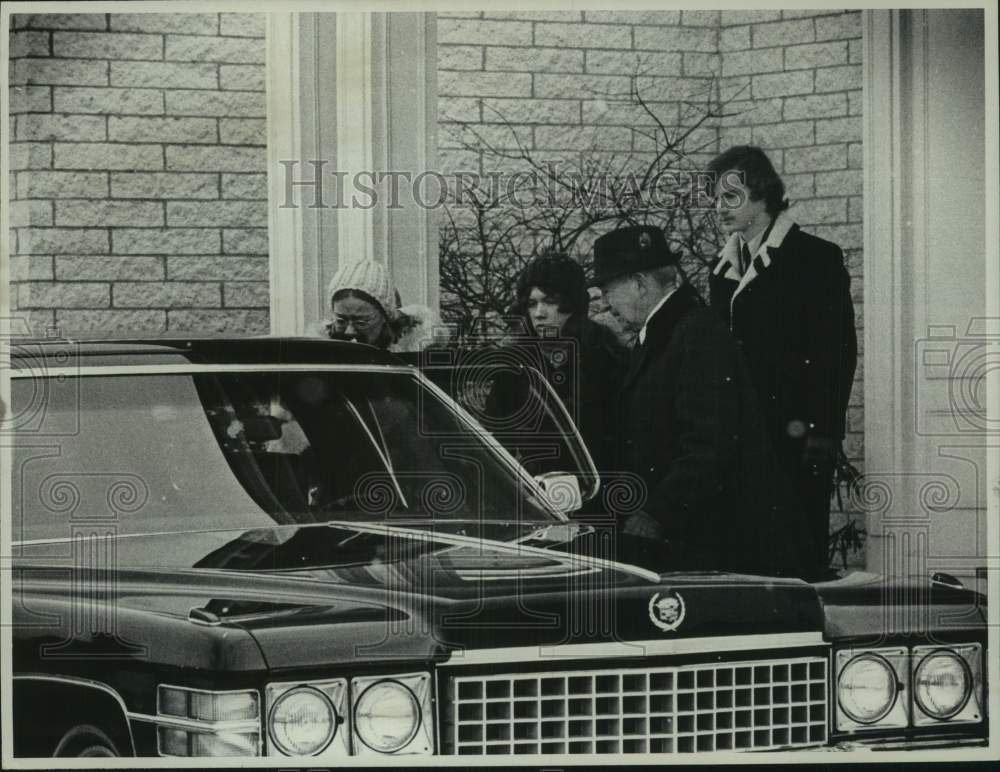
(405, 49)
(284, 134)
(992, 205)
(926, 333)
(883, 261)
(355, 131)
(321, 226)
(355, 92)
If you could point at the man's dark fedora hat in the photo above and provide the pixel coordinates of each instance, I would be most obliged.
(630, 250)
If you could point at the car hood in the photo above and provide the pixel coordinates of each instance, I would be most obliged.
(855, 605)
(349, 592)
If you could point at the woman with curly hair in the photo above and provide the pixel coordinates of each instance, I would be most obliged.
(583, 360)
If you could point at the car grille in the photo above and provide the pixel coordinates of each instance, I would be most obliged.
(776, 703)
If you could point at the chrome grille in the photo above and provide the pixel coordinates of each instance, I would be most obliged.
(775, 703)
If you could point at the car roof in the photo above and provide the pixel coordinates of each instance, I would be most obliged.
(263, 350)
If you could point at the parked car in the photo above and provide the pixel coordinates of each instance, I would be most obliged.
(288, 547)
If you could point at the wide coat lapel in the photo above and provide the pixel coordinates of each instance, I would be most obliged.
(726, 266)
(763, 259)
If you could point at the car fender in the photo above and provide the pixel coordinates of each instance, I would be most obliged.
(105, 709)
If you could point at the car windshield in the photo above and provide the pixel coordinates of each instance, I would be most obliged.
(231, 449)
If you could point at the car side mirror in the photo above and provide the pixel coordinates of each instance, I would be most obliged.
(562, 491)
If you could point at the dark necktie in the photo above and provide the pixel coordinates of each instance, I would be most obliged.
(745, 258)
(634, 358)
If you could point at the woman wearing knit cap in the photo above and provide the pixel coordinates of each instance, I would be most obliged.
(366, 308)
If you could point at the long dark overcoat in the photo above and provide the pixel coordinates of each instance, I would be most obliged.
(794, 318)
(690, 428)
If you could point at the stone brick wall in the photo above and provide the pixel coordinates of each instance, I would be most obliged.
(795, 76)
(558, 77)
(138, 173)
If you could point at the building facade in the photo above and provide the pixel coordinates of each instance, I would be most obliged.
(174, 173)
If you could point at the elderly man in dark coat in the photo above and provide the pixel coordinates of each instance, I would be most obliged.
(689, 421)
(785, 295)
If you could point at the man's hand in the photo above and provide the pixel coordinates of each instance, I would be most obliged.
(643, 525)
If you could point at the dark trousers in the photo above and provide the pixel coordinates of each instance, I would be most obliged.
(813, 490)
(814, 498)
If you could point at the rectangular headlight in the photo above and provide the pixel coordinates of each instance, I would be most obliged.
(198, 722)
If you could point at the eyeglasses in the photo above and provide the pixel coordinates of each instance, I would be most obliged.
(340, 323)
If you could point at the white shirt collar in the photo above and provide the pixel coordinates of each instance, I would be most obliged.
(657, 307)
(754, 244)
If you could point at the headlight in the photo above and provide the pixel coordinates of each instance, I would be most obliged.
(386, 716)
(867, 688)
(898, 687)
(392, 714)
(941, 685)
(304, 718)
(302, 722)
(947, 684)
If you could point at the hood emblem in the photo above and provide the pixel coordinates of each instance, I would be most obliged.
(666, 611)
